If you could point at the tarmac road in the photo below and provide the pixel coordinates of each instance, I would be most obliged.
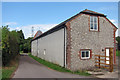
(29, 68)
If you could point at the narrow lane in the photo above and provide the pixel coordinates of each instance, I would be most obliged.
(29, 68)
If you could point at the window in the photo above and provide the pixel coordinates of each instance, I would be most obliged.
(44, 51)
(85, 54)
(93, 23)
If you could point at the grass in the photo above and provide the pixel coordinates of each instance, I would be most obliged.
(8, 70)
(117, 53)
(57, 67)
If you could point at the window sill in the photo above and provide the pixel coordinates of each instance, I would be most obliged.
(94, 31)
(85, 58)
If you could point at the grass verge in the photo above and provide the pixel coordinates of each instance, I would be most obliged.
(117, 53)
(9, 70)
(57, 67)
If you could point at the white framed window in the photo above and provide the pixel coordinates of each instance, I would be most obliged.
(85, 54)
(93, 23)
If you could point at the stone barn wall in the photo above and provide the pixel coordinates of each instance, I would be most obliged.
(82, 38)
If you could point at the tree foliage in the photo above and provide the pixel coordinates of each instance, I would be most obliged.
(21, 40)
(10, 45)
(118, 39)
(27, 45)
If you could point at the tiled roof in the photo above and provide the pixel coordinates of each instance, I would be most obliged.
(37, 34)
(92, 12)
(62, 25)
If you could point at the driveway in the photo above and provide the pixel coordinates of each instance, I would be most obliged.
(29, 68)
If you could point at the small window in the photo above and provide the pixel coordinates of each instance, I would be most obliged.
(85, 54)
(93, 23)
(44, 51)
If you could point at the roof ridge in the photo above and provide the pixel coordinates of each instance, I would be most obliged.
(60, 25)
(90, 11)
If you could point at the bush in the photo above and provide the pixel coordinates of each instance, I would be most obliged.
(10, 46)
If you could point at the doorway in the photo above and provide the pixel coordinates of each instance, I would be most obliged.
(107, 54)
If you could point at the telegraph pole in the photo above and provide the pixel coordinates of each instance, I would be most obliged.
(32, 31)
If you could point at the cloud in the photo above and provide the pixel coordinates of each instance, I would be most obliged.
(112, 20)
(115, 22)
(27, 30)
(10, 23)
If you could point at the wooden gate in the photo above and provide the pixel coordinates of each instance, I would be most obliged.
(100, 61)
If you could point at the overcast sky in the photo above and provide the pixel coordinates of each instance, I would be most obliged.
(45, 15)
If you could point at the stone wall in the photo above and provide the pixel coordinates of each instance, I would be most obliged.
(82, 38)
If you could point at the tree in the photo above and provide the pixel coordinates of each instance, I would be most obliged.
(21, 39)
(118, 39)
(0, 41)
(0, 45)
(10, 46)
(5, 45)
(27, 45)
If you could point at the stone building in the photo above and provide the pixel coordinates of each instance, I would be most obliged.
(75, 42)
(37, 34)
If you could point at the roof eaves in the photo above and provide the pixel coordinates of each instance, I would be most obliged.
(56, 27)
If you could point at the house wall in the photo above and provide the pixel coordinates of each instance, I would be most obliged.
(82, 38)
(34, 47)
(51, 47)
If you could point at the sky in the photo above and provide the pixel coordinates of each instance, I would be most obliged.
(60, 0)
(45, 15)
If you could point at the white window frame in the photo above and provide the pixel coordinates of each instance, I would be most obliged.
(94, 23)
(85, 54)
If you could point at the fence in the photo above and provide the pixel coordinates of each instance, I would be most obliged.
(100, 61)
